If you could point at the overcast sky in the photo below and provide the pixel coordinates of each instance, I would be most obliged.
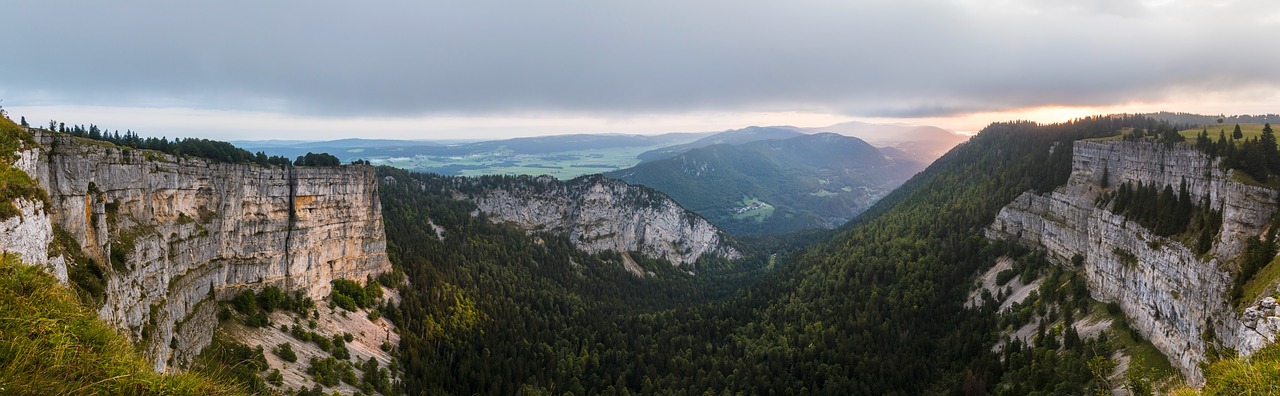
(479, 69)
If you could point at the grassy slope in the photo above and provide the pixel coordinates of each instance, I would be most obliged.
(52, 345)
(1256, 375)
(15, 183)
(49, 342)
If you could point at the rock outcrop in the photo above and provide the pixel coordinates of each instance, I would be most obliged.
(600, 214)
(179, 233)
(1176, 299)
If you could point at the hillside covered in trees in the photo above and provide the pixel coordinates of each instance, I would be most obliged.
(876, 309)
(775, 186)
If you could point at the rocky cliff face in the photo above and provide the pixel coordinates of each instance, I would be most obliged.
(179, 233)
(600, 214)
(1174, 298)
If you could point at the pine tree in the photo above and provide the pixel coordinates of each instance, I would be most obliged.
(1237, 134)
(1268, 142)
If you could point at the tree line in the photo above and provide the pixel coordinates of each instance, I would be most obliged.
(1257, 157)
(1166, 213)
(204, 148)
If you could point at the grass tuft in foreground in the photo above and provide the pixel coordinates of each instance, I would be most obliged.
(50, 344)
(1258, 374)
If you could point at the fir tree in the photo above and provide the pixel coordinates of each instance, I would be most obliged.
(1268, 143)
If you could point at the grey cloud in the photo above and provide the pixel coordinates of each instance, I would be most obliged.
(473, 57)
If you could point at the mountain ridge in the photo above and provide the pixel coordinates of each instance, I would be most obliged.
(597, 214)
(806, 181)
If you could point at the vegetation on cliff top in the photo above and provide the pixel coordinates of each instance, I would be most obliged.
(14, 183)
(50, 344)
(1255, 156)
(204, 148)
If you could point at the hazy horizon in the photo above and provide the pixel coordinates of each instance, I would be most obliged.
(445, 70)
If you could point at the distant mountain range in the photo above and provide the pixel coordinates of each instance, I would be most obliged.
(758, 179)
(920, 143)
(351, 149)
(777, 185)
(733, 136)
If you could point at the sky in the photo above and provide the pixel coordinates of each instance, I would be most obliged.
(477, 69)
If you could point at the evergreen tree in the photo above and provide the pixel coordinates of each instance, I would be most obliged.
(1237, 134)
(1268, 147)
(1203, 142)
(24, 122)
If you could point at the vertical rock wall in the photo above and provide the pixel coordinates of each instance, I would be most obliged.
(180, 233)
(600, 214)
(1174, 298)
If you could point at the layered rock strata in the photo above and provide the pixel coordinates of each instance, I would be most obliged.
(600, 214)
(179, 233)
(1173, 297)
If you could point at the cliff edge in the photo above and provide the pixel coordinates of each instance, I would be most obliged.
(172, 235)
(1172, 296)
(596, 213)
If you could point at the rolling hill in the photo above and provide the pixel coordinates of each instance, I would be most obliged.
(733, 136)
(920, 143)
(775, 186)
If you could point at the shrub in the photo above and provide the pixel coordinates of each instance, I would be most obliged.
(245, 303)
(275, 378)
(324, 371)
(1005, 276)
(285, 352)
(271, 298)
(224, 313)
(340, 351)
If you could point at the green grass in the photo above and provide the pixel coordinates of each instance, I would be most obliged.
(1256, 375)
(50, 344)
(759, 214)
(1265, 277)
(1143, 353)
(15, 183)
(1248, 130)
(823, 194)
(561, 165)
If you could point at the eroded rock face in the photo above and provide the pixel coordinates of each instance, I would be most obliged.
(600, 214)
(181, 233)
(1174, 298)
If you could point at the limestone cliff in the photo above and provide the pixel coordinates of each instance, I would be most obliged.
(178, 233)
(1176, 299)
(600, 214)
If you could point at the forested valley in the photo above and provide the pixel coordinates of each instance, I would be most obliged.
(875, 308)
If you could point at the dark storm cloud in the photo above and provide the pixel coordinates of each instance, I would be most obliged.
(890, 58)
